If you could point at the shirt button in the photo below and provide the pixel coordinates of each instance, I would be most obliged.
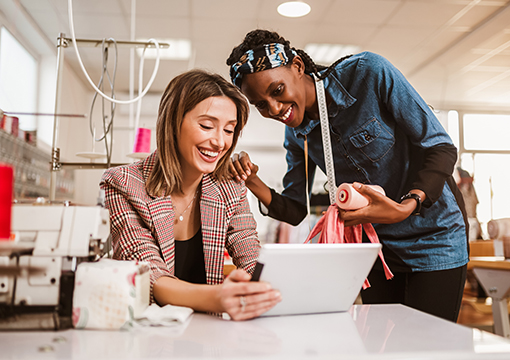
(367, 137)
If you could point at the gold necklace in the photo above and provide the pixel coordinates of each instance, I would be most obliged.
(181, 215)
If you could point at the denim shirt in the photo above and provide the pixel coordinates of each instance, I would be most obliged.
(380, 130)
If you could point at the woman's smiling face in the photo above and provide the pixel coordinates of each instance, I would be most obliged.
(207, 132)
(278, 93)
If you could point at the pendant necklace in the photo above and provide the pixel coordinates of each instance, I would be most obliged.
(181, 215)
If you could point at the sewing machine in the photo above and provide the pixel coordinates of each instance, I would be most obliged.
(37, 267)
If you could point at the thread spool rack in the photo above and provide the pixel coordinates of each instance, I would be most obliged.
(56, 164)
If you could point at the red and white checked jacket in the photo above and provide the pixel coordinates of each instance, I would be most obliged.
(142, 225)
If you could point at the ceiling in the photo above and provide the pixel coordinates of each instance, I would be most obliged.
(455, 52)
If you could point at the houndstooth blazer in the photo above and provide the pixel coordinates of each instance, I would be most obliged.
(142, 225)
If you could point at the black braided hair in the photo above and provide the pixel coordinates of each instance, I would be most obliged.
(260, 37)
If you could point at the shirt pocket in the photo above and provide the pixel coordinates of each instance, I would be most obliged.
(373, 140)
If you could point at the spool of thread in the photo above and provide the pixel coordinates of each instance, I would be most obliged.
(15, 126)
(142, 141)
(6, 179)
(498, 228)
(348, 198)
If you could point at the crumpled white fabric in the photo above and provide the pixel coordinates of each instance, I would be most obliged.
(168, 315)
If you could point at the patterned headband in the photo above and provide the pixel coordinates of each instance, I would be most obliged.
(264, 57)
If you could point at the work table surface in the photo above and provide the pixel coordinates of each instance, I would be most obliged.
(365, 332)
(489, 262)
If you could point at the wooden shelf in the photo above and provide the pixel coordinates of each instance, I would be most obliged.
(489, 262)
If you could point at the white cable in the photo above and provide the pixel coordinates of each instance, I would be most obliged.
(149, 84)
(140, 84)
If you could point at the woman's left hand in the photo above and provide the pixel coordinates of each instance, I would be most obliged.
(380, 210)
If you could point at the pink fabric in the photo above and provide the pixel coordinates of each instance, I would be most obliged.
(333, 231)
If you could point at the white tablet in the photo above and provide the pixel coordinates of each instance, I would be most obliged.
(315, 278)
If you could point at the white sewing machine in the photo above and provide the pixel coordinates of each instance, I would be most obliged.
(37, 268)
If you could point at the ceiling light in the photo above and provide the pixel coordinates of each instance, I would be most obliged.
(293, 9)
(329, 53)
(180, 49)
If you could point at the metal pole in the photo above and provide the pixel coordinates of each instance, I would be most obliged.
(55, 151)
(132, 70)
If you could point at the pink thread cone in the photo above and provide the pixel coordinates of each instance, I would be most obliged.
(6, 179)
(142, 141)
(348, 198)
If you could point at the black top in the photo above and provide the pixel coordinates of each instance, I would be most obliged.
(189, 259)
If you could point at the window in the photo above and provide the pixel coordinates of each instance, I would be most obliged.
(484, 152)
(486, 132)
(18, 79)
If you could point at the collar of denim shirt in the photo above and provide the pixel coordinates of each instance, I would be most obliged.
(341, 99)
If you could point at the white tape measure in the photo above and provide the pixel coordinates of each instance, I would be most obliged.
(326, 139)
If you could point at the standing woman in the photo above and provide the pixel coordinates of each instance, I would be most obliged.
(177, 211)
(383, 133)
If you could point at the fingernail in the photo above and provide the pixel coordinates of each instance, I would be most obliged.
(244, 177)
(278, 295)
(357, 185)
(238, 178)
(248, 172)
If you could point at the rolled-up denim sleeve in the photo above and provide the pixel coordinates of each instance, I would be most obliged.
(438, 165)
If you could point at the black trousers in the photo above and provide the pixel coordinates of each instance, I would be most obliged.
(437, 293)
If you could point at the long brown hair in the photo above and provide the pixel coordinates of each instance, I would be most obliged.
(181, 95)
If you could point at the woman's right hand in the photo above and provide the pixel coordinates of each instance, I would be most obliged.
(243, 299)
(241, 167)
(380, 210)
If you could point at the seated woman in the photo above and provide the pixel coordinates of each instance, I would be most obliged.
(178, 210)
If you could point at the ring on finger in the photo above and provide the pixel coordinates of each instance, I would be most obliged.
(242, 301)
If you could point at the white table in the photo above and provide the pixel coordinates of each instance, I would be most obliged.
(493, 273)
(366, 332)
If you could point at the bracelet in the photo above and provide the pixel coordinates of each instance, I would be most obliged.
(418, 202)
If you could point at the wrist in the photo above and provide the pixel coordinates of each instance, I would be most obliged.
(217, 298)
(251, 181)
(412, 198)
(260, 190)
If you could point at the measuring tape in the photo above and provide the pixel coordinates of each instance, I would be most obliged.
(326, 139)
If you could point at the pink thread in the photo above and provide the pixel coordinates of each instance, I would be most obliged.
(6, 178)
(332, 230)
(142, 141)
(348, 198)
